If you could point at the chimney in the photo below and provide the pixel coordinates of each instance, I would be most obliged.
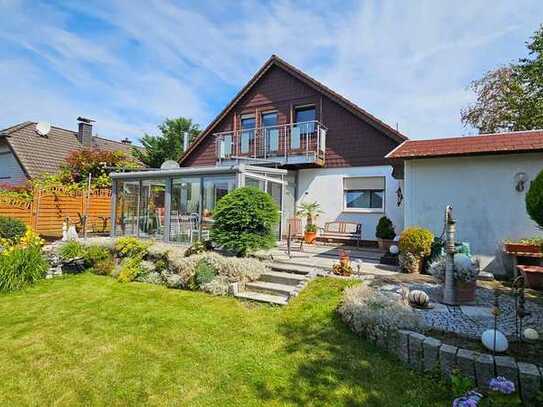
(126, 141)
(84, 134)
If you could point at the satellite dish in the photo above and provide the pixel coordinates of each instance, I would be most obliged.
(43, 128)
(169, 165)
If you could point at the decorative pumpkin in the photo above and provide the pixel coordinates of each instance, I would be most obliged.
(418, 298)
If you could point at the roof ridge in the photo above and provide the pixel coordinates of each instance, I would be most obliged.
(16, 127)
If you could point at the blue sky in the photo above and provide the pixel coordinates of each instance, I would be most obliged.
(130, 64)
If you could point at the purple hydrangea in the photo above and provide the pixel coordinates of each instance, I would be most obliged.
(465, 402)
(502, 385)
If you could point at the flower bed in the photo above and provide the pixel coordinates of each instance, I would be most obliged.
(129, 259)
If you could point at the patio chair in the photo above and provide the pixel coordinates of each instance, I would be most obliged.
(295, 232)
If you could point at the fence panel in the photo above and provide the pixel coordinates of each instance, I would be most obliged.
(50, 209)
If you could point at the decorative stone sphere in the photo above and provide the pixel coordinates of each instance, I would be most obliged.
(418, 298)
(530, 334)
(394, 250)
(487, 338)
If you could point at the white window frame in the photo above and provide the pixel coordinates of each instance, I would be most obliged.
(364, 210)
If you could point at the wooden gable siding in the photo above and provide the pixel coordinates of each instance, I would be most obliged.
(350, 140)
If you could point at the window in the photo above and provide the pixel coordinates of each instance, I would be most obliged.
(364, 194)
(248, 125)
(269, 122)
(304, 124)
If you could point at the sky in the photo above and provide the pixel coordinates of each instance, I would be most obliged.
(131, 64)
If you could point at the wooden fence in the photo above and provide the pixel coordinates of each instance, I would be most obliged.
(49, 209)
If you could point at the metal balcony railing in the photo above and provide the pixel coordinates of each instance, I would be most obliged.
(296, 143)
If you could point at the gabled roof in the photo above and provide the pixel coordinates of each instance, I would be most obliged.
(274, 60)
(496, 143)
(44, 154)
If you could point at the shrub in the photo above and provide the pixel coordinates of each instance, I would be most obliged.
(31, 239)
(409, 263)
(417, 241)
(245, 220)
(11, 228)
(198, 247)
(203, 274)
(130, 269)
(385, 229)
(466, 269)
(131, 247)
(99, 259)
(218, 286)
(376, 315)
(72, 249)
(20, 267)
(534, 200)
(233, 269)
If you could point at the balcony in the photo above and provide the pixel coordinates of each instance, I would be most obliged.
(296, 144)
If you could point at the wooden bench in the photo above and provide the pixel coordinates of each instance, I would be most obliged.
(342, 230)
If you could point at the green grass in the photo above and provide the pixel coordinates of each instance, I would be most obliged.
(89, 340)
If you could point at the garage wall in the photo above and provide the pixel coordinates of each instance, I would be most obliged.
(481, 190)
(325, 185)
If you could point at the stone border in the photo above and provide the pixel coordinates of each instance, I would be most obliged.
(426, 354)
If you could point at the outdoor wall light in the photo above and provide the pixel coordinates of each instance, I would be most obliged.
(521, 178)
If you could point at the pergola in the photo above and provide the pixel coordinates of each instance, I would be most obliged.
(177, 204)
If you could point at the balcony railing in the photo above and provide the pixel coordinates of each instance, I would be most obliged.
(295, 143)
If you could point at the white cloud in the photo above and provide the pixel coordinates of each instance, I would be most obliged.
(130, 64)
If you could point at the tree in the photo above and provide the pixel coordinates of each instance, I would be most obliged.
(168, 145)
(510, 98)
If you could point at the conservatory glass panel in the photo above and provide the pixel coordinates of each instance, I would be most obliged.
(126, 207)
(152, 214)
(185, 209)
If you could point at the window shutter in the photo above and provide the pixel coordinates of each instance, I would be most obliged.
(367, 183)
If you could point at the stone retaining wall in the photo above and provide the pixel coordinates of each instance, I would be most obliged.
(425, 353)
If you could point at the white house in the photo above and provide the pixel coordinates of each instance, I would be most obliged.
(484, 178)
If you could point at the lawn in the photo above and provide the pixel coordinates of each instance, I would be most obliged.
(89, 340)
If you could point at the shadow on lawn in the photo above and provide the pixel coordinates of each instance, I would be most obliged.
(334, 367)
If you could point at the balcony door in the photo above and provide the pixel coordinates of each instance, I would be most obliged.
(247, 135)
(271, 133)
(304, 127)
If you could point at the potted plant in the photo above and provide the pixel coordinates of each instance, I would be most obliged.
(415, 244)
(310, 210)
(385, 233)
(466, 270)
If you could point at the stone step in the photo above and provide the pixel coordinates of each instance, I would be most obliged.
(281, 277)
(263, 297)
(292, 268)
(270, 288)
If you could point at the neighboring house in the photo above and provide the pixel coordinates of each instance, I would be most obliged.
(26, 154)
(484, 178)
(334, 151)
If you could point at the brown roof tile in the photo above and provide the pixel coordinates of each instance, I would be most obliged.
(44, 154)
(496, 143)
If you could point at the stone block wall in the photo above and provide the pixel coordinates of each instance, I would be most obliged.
(425, 353)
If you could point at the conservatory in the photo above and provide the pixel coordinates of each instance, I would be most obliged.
(177, 204)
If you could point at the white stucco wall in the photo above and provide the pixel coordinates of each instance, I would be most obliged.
(10, 170)
(325, 185)
(481, 190)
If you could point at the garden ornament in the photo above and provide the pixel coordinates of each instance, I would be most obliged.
(449, 292)
(418, 299)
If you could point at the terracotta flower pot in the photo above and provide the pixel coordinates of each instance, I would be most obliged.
(310, 237)
(521, 248)
(533, 277)
(465, 291)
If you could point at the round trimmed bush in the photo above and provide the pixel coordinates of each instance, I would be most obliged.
(245, 220)
(417, 241)
(534, 200)
(11, 228)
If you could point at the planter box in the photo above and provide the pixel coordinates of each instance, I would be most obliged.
(521, 248)
(533, 276)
